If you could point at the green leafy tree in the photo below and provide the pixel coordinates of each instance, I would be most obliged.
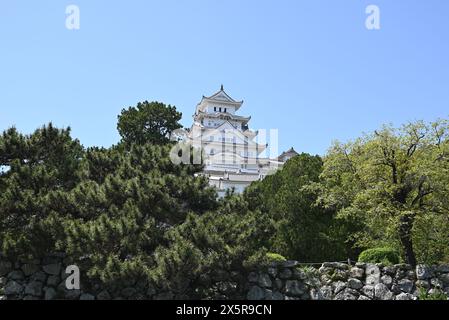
(304, 231)
(395, 182)
(148, 122)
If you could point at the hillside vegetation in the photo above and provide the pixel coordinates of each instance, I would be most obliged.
(128, 212)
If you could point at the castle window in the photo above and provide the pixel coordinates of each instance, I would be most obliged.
(225, 110)
(212, 152)
(220, 109)
(215, 108)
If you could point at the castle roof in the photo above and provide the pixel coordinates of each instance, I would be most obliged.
(222, 97)
(224, 116)
(289, 153)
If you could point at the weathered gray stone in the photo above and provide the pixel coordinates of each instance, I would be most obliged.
(268, 294)
(164, 296)
(355, 283)
(285, 274)
(386, 280)
(436, 283)
(62, 287)
(336, 265)
(326, 292)
(2, 298)
(442, 269)
(104, 295)
(312, 282)
(5, 268)
(272, 272)
(29, 269)
(63, 274)
(264, 280)
(372, 274)
(128, 292)
(315, 294)
(72, 294)
(404, 296)
(54, 259)
(256, 293)
(400, 274)
(53, 280)
(411, 275)
(357, 273)
(39, 276)
(52, 269)
(34, 288)
(338, 286)
(381, 292)
(87, 296)
(25, 280)
(278, 284)
(13, 288)
(423, 272)
(299, 274)
(305, 296)
(30, 298)
(50, 294)
(294, 288)
(390, 270)
(277, 296)
(290, 264)
(444, 278)
(406, 285)
(403, 266)
(347, 294)
(151, 291)
(253, 277)
(368, 291)
(16, 275)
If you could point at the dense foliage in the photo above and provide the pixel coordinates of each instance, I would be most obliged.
(304, 231)
(397, 182)
(386, 256)
(127, 212)
(148, 122)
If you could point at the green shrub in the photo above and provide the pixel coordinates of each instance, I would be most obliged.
(386, 256)
(437, 295)
(275, 257)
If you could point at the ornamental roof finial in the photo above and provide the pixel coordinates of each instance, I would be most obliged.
(222, 89)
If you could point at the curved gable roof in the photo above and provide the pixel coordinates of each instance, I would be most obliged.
(222, 96)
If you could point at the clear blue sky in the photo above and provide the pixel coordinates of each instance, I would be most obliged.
(309, 68)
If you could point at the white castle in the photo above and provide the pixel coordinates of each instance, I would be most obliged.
(231, 150)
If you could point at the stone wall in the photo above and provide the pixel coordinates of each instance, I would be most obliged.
(338, 281)
(45, 279)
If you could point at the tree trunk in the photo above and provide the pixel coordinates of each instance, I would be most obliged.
(405, 234)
